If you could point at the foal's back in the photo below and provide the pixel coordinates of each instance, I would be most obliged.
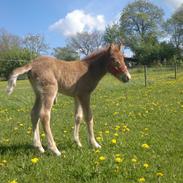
(48, 72)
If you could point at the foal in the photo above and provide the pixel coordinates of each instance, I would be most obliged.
(77, 79)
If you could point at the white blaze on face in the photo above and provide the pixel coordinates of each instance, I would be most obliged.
(128, 75)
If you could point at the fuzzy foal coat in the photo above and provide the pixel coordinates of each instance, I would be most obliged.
(77, 79)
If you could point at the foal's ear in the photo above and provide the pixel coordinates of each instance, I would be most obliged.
(111, 46)
(120, 46)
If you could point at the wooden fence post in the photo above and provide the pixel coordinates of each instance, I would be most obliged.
(175, 68)
(145, 75)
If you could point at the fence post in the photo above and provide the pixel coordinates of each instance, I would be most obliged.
(145, 75)
(175, 68)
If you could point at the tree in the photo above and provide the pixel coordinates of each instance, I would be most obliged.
(147, 52)
(141, 24)
(35, 43)
(10, 59)
(174, 27)
(65, 53)
(8, 41)
(167, 51)
(85, 42)
(113, 34)
(140, 20)
(11, 53)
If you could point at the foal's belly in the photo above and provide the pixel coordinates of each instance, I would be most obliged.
(67, 90)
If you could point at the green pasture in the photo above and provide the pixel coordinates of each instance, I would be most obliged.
(140, 130)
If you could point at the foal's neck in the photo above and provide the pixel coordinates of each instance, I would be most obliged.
(97, 65)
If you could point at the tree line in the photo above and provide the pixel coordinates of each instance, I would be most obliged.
(140, 27)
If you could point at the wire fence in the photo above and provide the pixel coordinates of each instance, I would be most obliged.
(145, 75)
(148, 75)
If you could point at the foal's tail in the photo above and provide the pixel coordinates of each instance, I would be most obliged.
(14, 75)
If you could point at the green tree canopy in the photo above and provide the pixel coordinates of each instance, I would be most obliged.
(174, 27)
(141, 19)
(10, 59)
(141, 24)
(65, 53)
(113, 34)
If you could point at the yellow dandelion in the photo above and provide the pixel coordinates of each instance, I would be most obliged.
(21, 124)
(107, 131)
(28, 132)
(100, 132)
(15, 128)
(125, 128)
(42, 135)
(116, 170)
(34, 160)
(118, 160)
(145, 146)
(116, 135)
(159, 174)
(96, 163)
(134, 160)
(99, 138)
(141, 179)
(117, 127)
(145, 165)
(7, 140)
(13, 181)
(117, 155)
(97, 151)
(4, 161)
(115, 113)
(113, 141)
(102, 158)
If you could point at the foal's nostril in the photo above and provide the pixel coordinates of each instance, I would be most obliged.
(128, 76)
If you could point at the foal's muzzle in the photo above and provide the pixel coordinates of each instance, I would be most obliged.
(125, 77)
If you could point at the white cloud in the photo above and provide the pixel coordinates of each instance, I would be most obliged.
(78, 21)
(174, 3)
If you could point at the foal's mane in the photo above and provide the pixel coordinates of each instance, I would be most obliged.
(96, 54)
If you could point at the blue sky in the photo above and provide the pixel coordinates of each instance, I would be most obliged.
(58, 19)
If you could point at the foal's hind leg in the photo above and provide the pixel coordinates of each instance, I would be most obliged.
(78, 118)
(45, 112)
(35, 125)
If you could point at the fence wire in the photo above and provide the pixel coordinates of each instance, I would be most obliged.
(144, 75)
(151, 75)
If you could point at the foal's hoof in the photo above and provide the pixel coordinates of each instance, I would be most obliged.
(40, 148)
(78, 144)
(55, 151)
(58, 153)
(96, 145)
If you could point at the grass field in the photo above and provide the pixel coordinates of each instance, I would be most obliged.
(140, 130)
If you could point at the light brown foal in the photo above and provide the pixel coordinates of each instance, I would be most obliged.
(78, 79)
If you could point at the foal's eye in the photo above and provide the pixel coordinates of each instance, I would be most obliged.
(116, 64)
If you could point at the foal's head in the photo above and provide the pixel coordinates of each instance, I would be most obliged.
(116, 65)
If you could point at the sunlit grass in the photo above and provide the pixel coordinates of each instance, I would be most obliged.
(140, 130)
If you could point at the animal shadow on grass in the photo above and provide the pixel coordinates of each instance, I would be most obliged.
(15, 149)
(27, 148)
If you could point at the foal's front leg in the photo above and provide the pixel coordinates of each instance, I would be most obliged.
(85, 102)
(78, 118)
